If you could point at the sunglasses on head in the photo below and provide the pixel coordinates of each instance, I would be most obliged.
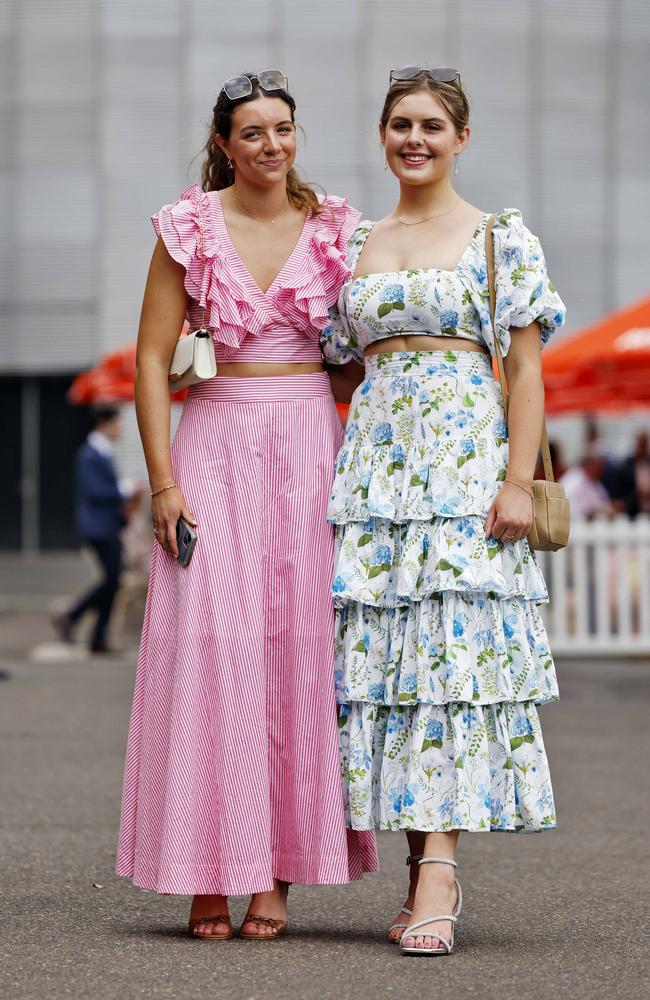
(441, 74)
(242, 86)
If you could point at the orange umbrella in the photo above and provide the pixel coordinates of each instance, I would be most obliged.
(110, 381)
(603, 368)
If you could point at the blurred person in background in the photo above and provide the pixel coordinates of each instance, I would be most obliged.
(632, 490)
(232, 783)
(441, 656)
(584, 488)
(100, 517)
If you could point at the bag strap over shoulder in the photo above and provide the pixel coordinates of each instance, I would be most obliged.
(489, 255)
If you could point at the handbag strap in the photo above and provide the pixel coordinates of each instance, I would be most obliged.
(202, 257)
(489, 255)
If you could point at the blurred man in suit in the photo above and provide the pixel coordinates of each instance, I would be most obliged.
(100, 518)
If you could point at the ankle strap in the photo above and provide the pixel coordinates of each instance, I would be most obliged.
(438, 861)
(413, 859)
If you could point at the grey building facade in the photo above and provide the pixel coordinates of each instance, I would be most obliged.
(105, 105)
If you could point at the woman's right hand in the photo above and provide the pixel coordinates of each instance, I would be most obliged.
(166, 508)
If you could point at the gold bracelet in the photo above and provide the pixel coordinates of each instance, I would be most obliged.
(172, 486)
(528, 493)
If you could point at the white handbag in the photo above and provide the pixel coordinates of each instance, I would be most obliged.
(194, 358)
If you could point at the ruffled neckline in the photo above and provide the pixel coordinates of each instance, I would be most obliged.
(234, 258)
(216, 278)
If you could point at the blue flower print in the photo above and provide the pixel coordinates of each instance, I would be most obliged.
(446, 807)
(366, 641)
(475, 688)
(365, 478)
(434, 730)
(465, 526)
(409, 683)
(467, 447)
(396, 722)
(458, 628)
(509, 623)
(377, 692)
(368, 525)
(339, 585)
(408, 797)
(485, 795)
(395, 799)
(500, 428)
(545, 801)
(365, 387)
(393, 293)
(522, 727)
(382, 434)
(536, 293)
(448, 320)
(382, 555)
(397, 454)
(476, 380)
(512, 256)
(426, 544)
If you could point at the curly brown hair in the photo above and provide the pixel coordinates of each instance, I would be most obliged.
(217, 174)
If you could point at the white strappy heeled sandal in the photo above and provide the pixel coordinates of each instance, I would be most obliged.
(447, 946)
(411, 860)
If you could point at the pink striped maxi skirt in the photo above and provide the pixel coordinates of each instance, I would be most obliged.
(232, 774)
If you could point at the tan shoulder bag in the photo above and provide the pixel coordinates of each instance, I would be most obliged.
(550, 529)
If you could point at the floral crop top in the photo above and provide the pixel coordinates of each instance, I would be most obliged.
(429, 301)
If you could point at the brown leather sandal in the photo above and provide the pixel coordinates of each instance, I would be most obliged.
(280, 927)
(219, 919)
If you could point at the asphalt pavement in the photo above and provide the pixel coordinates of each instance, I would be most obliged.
(559, 914)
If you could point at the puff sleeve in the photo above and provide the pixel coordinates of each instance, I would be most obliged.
(524, 293)
(338, 342)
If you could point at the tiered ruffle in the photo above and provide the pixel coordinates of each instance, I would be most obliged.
(441, 653)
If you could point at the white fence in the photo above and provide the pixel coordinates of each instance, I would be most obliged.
(599, 588)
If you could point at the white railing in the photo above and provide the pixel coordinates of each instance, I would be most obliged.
(600, 589)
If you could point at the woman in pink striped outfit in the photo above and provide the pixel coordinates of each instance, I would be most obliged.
(232, 783)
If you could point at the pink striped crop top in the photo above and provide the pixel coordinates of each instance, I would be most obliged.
(282, 324)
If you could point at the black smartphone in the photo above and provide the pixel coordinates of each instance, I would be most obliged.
(186, 537)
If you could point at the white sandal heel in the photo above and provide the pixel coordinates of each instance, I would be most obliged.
(447, 945)
(411, 860)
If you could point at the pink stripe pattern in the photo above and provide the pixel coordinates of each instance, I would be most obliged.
(232, 774)
(281, 324)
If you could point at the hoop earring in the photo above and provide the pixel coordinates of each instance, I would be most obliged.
(456, 167)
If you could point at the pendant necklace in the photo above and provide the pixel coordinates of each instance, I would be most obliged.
(438, 215)
(256, 217)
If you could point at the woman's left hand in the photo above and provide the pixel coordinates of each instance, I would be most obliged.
(510, 517)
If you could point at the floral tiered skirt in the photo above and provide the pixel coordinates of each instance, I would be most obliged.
(441, 655)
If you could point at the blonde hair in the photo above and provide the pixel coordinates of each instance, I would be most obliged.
(451, 96)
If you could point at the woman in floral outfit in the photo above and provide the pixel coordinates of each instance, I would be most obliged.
(441, 654)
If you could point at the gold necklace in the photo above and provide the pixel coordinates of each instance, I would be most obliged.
(256, 217)
(429, 217)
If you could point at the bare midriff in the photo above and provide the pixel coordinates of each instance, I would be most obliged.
(265, 369)
(418, 342)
